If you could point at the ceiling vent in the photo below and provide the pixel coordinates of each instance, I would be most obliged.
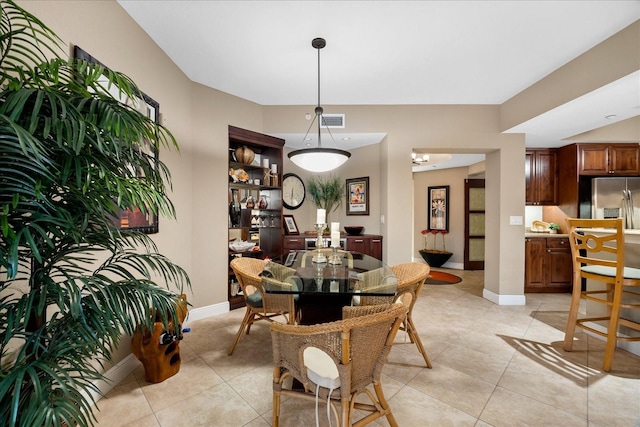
(333, 121)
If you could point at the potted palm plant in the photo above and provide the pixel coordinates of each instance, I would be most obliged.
(71, 282)
(326, 193)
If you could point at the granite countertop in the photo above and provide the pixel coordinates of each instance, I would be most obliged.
(529, 233)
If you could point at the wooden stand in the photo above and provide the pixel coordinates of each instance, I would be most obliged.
(160, 361)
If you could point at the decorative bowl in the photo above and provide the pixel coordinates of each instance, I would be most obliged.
(353, 230)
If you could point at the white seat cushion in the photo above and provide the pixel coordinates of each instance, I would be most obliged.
(629, 272)
(320, 368)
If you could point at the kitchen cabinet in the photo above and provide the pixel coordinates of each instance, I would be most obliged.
(255, 199)
(548, 265)
(293, 243)
(541, 182)
(608, 159)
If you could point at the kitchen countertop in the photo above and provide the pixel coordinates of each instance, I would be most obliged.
(544, 235)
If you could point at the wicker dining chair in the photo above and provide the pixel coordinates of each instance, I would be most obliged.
(259, 304)
(411, 277)
(597, 248)
(337, 361)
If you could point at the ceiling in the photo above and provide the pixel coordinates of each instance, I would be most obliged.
(395, 52)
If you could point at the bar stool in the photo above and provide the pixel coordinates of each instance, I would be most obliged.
(597, 248)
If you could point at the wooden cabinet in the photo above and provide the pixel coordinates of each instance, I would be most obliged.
(367, 244)
(293, 243)
(548, 265)
(608, 159)
(541, 181)
(255, 199)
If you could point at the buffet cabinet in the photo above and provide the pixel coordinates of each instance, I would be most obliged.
(368, 244)
(548, 265)
(255, 200)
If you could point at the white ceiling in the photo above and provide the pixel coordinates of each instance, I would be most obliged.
(394, 52)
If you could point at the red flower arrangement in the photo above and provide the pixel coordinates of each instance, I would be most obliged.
(426, 232)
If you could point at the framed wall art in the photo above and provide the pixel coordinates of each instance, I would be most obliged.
(290, 226)
(438, 207)
(143, 220)
(358, 196)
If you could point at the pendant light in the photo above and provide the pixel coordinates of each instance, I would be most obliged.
(319, 159)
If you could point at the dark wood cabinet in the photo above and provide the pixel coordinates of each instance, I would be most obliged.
(548, 265)
(608, 159)
(256, 195)
(293, 243)
(541, 182)
(368, 244)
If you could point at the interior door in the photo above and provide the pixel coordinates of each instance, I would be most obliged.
(474, 224)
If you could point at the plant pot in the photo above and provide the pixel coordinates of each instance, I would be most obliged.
(435, 258)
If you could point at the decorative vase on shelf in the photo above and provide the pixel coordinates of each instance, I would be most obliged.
(435, 258)
(234, 209)
(263, 203)
(244, 155)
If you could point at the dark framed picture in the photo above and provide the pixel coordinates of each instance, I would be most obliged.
(358, 196)
(290, 226)
(438, 208)
(143, 220)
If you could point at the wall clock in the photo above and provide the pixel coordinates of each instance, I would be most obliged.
(293, 191)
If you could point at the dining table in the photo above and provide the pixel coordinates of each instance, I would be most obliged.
(324, 281)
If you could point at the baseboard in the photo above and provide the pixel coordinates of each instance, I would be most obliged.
(630, 346)
(113, 377)
(205, 312)
(130, 363)
(503, 299)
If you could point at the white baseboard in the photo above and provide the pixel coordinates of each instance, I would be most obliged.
(630, 346)
(130, 363)
(503, 299)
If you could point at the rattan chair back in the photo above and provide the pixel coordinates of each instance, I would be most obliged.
(259, 304)
(358, 345)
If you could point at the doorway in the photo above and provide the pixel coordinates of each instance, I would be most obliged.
(474, 208)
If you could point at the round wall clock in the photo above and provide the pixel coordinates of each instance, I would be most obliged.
(293, 191)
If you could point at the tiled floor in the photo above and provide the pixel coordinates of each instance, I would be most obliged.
(492, 366)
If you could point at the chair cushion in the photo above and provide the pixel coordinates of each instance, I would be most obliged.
(320, 368)
(254, 300)
(629, 272)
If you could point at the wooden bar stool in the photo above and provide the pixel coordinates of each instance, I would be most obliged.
(597, 248)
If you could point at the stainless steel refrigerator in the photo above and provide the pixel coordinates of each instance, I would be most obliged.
(617, 198)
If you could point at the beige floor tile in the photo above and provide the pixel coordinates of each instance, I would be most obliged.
(122, 405)
(455, 388)
(548, 378)
(413, 408)
(508, 409)
(218, 406)
(194, 376)
(614, 400)
(471, 362)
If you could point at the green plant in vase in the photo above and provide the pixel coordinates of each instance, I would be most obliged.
(72, 283)
(326, 193)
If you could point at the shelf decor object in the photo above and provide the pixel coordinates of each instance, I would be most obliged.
(319, 159)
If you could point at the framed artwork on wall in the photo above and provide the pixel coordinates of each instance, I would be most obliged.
(358, 196)
(438, 207)
(139, 219)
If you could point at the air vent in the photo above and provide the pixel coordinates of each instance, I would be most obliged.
(333, 121)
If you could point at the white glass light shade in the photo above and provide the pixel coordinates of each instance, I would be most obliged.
(319, 159)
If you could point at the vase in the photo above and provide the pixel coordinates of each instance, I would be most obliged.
(435, 258)
(244, 155)
(263, 203)
(234, 209)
